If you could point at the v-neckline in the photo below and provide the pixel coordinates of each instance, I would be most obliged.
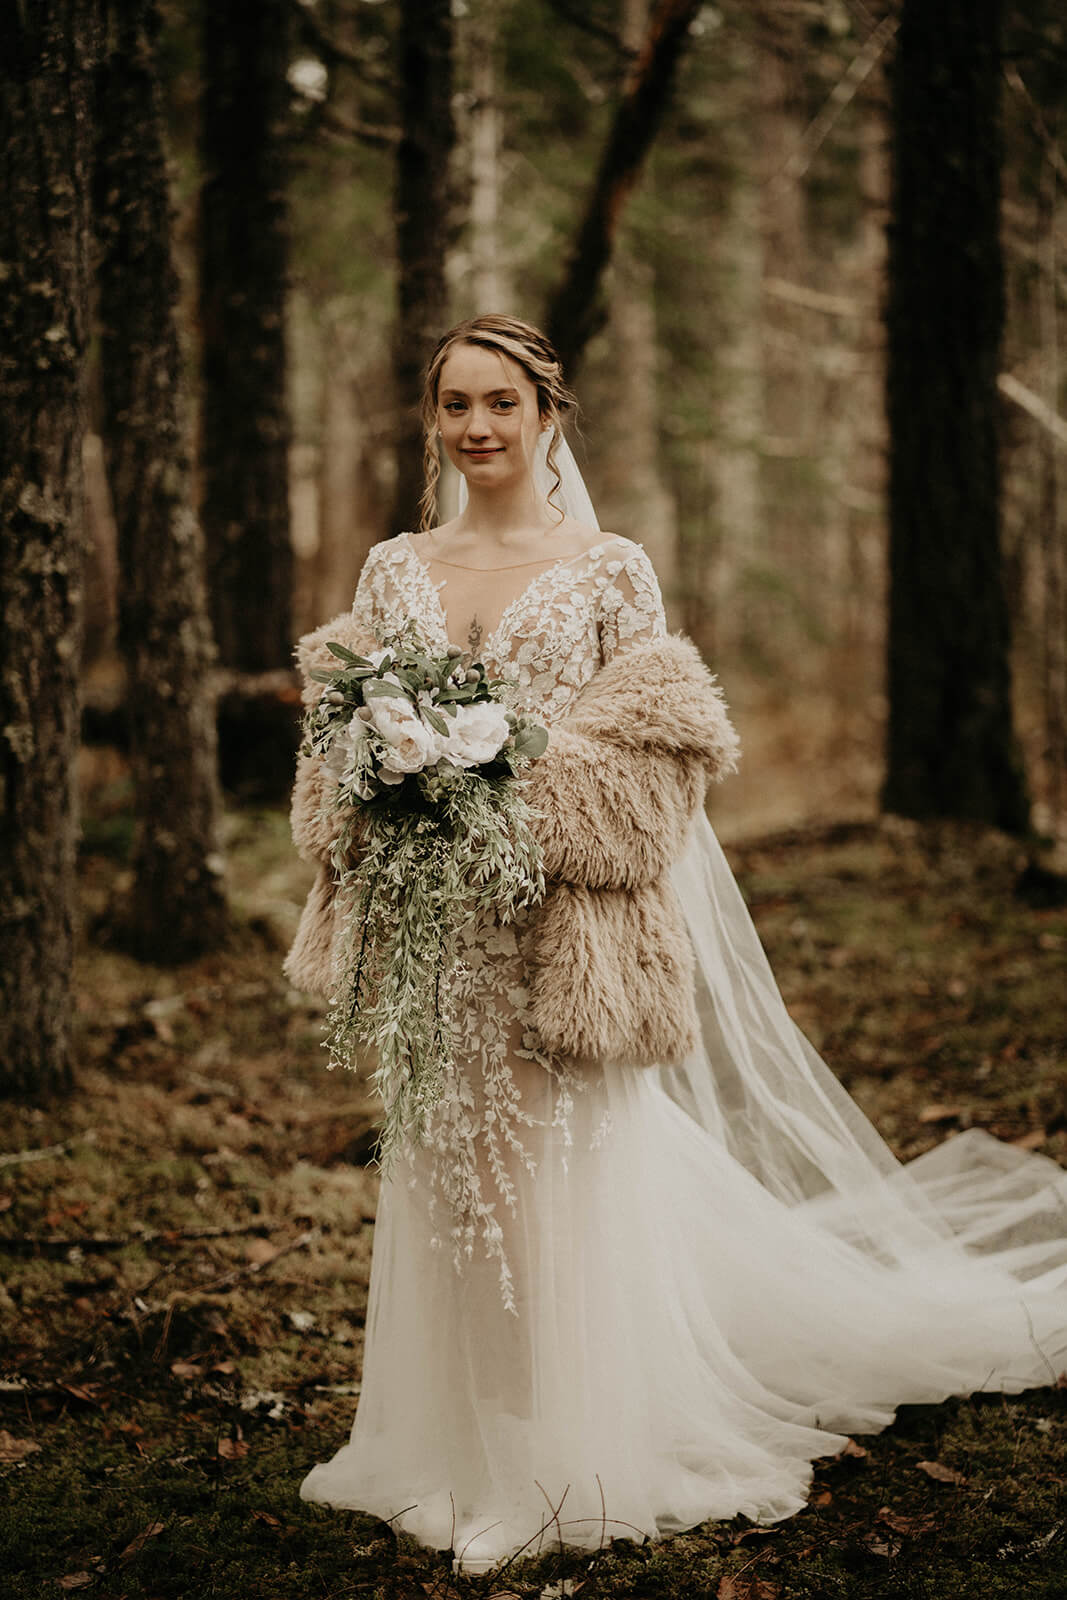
(491, 638)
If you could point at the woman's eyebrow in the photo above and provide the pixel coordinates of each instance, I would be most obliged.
(490, 394)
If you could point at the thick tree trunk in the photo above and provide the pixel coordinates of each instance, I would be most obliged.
(574, 313)
(951, 749)
(176, 908)
(46, 61)
(243, 281)
(423, 225)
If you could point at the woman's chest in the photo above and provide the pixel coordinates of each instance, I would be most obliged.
(543, 635)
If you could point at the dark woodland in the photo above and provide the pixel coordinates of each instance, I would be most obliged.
(805, 265)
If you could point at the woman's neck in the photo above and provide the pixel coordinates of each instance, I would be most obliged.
(504, 517)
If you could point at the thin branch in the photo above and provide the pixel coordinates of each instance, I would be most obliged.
(379, 136)
(19, 1157)
(334, 53)
(572, 312)
(574, 14)
(1039, 125)
(251, 1268)
(1034, 406)
(798, 294)
(843, 91)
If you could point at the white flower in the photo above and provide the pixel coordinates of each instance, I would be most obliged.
(412, 743)
(477, 734)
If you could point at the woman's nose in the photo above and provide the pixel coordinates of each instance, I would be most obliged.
(479, 426)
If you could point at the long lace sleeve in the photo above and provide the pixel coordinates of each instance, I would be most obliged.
(631, 607)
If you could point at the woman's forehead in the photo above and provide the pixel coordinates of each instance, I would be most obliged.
(475, 370)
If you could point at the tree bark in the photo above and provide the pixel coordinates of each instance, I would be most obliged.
(244, 423)
(423, 222)
(176, 908)
(951, 749)
(46, 62)
(574, 312)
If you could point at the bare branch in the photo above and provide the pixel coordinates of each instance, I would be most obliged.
(372, 133)
(1034, 406)
(843, 91)
(572, 312)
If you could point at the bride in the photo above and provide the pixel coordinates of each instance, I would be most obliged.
(651, 1261)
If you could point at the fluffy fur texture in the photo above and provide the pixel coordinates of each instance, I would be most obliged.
(609, 958)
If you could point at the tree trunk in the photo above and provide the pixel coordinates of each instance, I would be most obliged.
(46, 61)
(574, 314)
(244, 423)
(176, 907)
(951, 749)
(422, 202)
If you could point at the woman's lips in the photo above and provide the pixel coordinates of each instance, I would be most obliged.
(482, 455)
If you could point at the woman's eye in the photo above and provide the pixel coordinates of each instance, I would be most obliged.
(454, 405)
(509, 405)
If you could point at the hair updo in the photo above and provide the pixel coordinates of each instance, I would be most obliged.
(534, 354)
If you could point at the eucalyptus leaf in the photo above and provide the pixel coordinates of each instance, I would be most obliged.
(344, 654)
(378, 687)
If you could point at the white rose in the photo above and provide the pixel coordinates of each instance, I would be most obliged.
(477, 734)
(413, 744)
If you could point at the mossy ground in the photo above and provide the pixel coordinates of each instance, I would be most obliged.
(168, 1382)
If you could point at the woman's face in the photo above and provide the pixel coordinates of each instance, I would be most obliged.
(487, 414)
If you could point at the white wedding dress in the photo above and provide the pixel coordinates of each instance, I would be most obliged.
(623, 1301)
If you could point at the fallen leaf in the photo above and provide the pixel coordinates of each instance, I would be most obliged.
(938, 1113)
(225, 1366)
(1032, 1140)
(75, 1580)
(265, 1516)
(753, 1533)
(232, 1449)
(823, 1498)
(186, 1369)
(260, 1251)
(911, 1527)
(12, 1449)
(856, 1451)
(83, 1391)
(939, 1472)
(135, 1545)
(740, 1588)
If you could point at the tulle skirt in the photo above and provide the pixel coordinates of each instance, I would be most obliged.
(717, 1272)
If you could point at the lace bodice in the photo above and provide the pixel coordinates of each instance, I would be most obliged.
(553, 633)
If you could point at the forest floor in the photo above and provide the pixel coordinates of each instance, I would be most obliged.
(186, 1245)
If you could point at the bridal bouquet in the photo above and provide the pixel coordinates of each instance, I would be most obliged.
(425, 751)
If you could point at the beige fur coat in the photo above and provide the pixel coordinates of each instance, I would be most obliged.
(608, 956)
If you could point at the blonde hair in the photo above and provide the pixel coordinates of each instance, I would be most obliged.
(534, 354)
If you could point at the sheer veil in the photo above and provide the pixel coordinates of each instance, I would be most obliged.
(757, 1085)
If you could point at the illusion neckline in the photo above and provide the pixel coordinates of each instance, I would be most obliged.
(492, 637)
(512, 566)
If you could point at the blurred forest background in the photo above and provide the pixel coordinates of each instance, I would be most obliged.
(732, 388)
